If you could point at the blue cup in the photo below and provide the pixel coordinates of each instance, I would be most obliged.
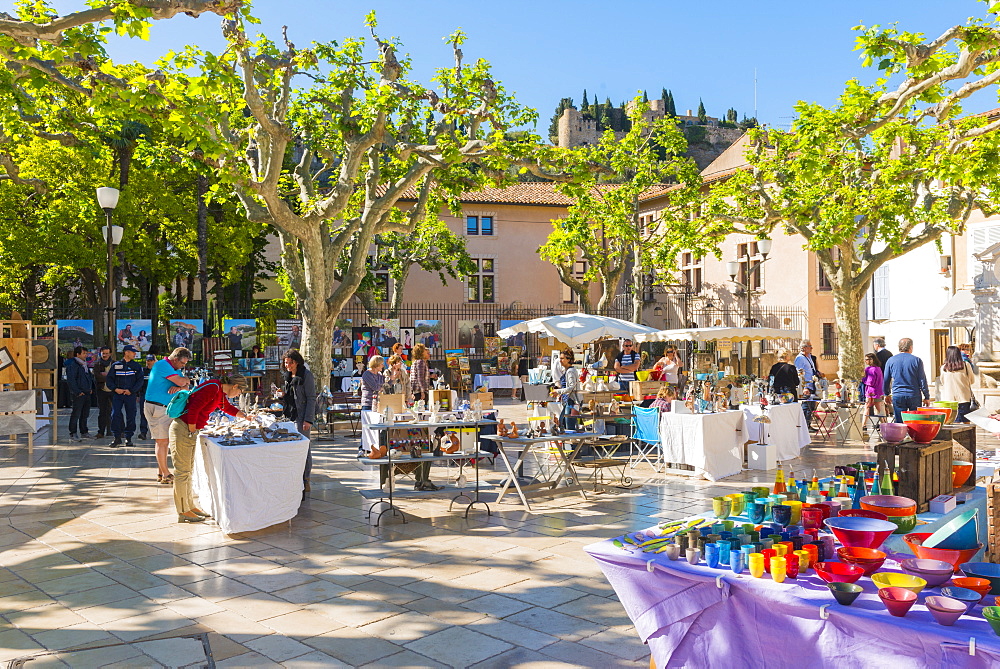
(793, 530)
(782, 515)
(725, 547)
(746, 550)
(744, 539)
(798, 541)
(785, 536)
(736, 561)
(725, 534)
(758, 511)
(712, 555)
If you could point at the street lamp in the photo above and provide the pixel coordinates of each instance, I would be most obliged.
(733, 267)
(107, 199)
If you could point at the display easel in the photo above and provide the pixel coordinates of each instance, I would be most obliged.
(17, 400)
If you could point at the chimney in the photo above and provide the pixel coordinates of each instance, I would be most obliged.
(689, 113)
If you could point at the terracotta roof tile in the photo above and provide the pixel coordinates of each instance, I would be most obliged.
(540, 193)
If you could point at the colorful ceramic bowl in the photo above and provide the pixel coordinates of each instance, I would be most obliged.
(923, 431)
(960, 472)
(869, 559)
(926, 415)
(893, 433)
(838, 572)
(860, 532)
(845, 593)
(893, 579)
(987, 570)
(904, 524)
(890, 505)
(956, 557)
(969, 597)
(935, 572)
(960, 532)
(945, 610)
(935, 411)
(861, 513)
(980, 585)
(952, 412)
(897, 600)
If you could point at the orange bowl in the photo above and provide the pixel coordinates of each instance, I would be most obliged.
(980, 585)
(923, 431)
(949, 412)
(960, 472)
(889, 505)
(955, 556)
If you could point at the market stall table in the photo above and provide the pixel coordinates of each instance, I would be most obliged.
(496, 381)
(249, 487)
(693, 615)
(787, 433)
(550, 485)
(712, 443)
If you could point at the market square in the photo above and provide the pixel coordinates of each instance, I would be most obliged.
(320, 347)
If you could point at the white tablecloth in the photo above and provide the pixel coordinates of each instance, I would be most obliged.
(250, 487)
(712, 443)
(499, 381)
(787, 432)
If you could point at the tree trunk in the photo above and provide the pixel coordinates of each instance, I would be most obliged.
(609, 287)
(397, 291)
(850, 349)
(368, 301)
(637, 285)
(202, 243)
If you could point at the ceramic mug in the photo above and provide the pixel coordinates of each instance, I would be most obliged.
(712, 555)
(782, 514)
(755, 562)
(779, 567)
(692, 555)
(758, 511)
(673, 551)
(803, 556)
(722, 507)
(736, 561)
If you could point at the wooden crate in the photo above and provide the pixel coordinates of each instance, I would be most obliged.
(963, 439)
(638, 389)
(485, 398)
(442, 396)
(924, 469)
(993, 520)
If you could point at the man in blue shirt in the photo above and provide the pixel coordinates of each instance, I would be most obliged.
(905, 380)
(164, 380)
(124, 381)
(627, 363)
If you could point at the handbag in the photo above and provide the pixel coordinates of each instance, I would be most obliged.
(973, 404)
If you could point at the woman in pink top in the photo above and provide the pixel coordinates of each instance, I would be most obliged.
(874, 397)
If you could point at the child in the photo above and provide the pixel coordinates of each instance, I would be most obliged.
(664, 397)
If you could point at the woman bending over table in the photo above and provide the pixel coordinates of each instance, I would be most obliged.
(205, 399)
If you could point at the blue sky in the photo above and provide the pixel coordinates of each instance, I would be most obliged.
(548, 49)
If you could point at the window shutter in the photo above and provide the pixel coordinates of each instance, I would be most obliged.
(880, 294)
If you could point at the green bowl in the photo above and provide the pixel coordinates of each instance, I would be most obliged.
(904, 523)
(994, 623)
(939, 417)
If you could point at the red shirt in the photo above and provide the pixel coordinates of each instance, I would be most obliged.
(205, 399)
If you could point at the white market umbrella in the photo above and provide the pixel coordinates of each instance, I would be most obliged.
(715, 334)
(579, 328)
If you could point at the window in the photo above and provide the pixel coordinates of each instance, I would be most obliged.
(746, 255)
(829, 340)
(691, 271)
(381, 288)
(482, 284)
(579, 270)
(479, 225)
(822, 280)
(879, 292)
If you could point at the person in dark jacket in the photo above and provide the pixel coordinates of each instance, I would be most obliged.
(300, 401)
(102, 393)
(125, 379)
(81, 390)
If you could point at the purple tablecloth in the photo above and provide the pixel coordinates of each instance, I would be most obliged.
(688, 620)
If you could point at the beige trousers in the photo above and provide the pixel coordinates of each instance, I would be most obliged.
(182, 450)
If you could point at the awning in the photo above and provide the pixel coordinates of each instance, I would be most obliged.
(960, 312)
(715, 334)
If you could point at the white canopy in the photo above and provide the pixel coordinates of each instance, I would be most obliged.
(577, 329)
(714, 334)
(960, 312)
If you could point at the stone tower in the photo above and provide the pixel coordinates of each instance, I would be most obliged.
(574, 130)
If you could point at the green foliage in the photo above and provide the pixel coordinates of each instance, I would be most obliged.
(702, 114)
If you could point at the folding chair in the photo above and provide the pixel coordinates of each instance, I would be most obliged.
(646, 437)
(826, 420)
(873, 424)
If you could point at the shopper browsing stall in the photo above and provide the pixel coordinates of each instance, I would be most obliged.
(300, 401)
(957, 378)
(420, 381)
(371, 383)
(103, 394)
(567, 389)
(165, 379)
(397, 380)
(208, 397)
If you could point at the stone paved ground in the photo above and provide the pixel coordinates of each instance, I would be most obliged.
(90, 554)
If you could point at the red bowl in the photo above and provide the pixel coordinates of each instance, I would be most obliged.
(860, 532)
(838, 572)
(897, 600)
(869, 559)
(862, 513)
(955, 556)
(960, 472)
(923, 431)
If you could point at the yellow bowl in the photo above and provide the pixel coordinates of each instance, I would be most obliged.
(643, 375)
(891, 579)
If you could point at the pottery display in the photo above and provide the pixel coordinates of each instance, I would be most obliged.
(893, 433)
(869, 559)
(964, 595)
(897, 600)
(988, 570)
(915, 542)
(935, 572)
(960, 472)
(845, 593)
(889, 505)
(923, 431)
(840, 572)
(860, 532)
(980, 585)
(892, 579)
(945, 610)
(937, 415)
(960, 532)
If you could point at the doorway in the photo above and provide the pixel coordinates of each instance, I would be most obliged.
(940, 340)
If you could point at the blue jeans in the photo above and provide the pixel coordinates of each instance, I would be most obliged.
(120, 403)
(901, 403)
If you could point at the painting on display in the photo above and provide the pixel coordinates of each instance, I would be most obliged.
(289, 331)
(137, 332)
(240, 333)
(492, 346)
(407, 338)
(342, 333)
(73, 334)
(272, 357)
(452, 356)
(427, 333)
(472, 335)
(343, 367)
(252, 366)
(516, 339)
(187, 333)
(361, 342)
(386, 332)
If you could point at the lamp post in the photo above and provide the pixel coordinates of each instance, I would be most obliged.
(764, 246)
(107, 199)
